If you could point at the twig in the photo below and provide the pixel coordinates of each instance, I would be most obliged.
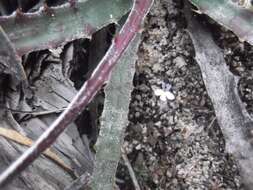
(211, 124)
(130, 170)
(86, 93)
(34, 113)
(23, 140)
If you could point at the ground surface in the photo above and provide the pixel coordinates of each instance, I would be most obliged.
(178, 144)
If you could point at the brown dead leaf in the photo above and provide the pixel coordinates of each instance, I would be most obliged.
(19, 138)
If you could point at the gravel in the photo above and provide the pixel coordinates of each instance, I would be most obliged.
(175, 144)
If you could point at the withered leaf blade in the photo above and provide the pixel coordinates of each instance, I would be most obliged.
(23, 140)
(232, 116)
(10, 62)
(231, 14)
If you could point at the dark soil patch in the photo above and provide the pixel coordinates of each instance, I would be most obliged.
(178, 144)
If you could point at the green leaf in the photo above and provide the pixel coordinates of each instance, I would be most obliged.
(114, 119)
(51, 27)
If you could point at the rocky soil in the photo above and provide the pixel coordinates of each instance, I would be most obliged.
(177, 143)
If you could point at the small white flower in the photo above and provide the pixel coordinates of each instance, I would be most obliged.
(165, 93)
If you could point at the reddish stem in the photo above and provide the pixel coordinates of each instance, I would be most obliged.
(86, 93)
